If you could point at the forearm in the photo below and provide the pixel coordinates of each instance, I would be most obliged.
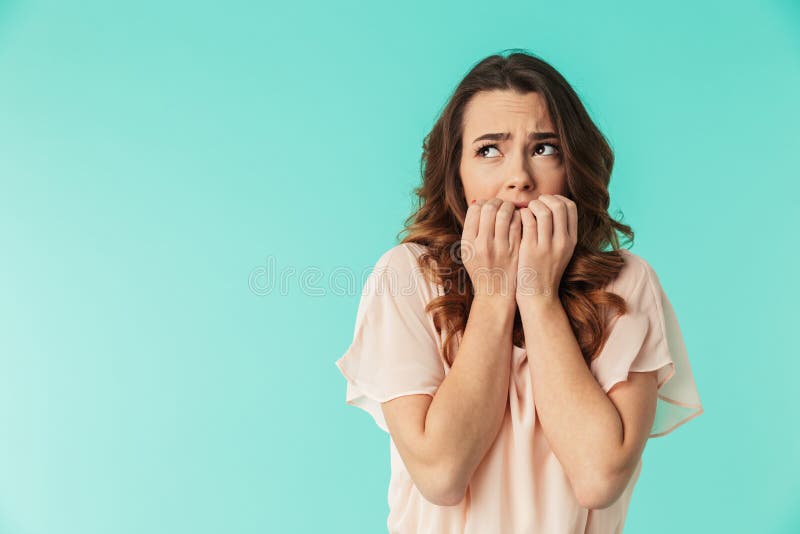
(467, 411)
(580, 422)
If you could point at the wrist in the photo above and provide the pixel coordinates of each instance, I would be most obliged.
(498, 302)
(540, 300)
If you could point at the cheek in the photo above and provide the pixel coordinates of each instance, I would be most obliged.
(473, 191)
(483, 191)
(470, 184)
(563, 183)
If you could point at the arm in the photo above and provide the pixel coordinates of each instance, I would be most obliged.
(582, 424)
(467, 411)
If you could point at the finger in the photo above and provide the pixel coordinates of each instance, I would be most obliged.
(471, 221)
(572, 219)
(544, 221)
(488, 213)
(515, 230)
(529, 231)
(503, 219)
(560, 224)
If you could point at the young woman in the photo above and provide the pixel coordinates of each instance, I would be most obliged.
(517, 356)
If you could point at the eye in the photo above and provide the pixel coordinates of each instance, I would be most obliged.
(556, 151)
(540, 145)
(479, 151)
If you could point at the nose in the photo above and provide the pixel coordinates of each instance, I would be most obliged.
(521, 177)
(522, 183)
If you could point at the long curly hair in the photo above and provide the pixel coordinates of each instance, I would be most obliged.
(438, 222)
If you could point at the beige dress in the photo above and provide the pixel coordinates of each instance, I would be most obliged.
(519, 487)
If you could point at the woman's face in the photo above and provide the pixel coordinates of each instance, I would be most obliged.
(499, 159)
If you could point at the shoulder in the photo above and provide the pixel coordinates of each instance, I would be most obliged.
(634, 263)
(403, 256)
(635, 275)
(399, 267)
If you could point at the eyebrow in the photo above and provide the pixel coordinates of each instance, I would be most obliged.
(538, 136)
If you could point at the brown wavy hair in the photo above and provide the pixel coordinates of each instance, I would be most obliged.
(438, 222)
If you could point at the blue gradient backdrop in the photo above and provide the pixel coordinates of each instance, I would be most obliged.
(184, 186)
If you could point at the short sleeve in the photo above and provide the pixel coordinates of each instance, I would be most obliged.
(395, 349)
(648, 338)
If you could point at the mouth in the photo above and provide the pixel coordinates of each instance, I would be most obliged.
(520, 205)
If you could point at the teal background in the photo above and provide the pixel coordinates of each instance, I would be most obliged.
(157, 157)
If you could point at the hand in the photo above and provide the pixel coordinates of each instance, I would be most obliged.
(490, 248)
(549, 235)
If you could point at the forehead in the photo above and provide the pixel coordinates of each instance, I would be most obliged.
(500, 111)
